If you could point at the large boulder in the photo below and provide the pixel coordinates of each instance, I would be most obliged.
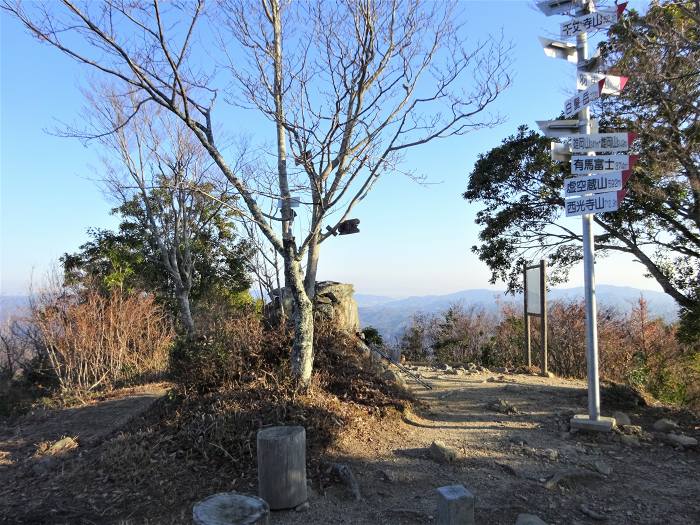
(333, 303)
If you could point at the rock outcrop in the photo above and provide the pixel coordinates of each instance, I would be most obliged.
(333, 302)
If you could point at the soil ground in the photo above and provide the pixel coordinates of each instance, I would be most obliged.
(506, 459)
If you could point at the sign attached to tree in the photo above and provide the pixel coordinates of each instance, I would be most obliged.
(613, 84)
(599, 203)
(601, 142)
(591, 21)
(582, 99)
(582, 164)
(587, 184)
(294, 202)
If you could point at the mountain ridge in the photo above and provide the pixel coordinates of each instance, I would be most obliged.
(392, 317)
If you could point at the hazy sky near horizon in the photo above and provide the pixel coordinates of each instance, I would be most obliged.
(415, 239)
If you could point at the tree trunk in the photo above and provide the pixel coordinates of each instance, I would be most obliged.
(312, 267)
(183, 301)
(303, 317)
(302, 349)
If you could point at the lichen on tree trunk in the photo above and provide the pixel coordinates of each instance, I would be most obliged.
(303, 318)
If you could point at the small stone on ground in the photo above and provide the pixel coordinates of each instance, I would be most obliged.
(665, 425)
(529, 519)
(441, 452)
(621, 418)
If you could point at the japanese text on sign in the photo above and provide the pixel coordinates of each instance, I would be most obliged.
(593, 184)
(600, 203)
(601, 142)
(589, 22)
(613, 84)
(585, 164)
(579, 101)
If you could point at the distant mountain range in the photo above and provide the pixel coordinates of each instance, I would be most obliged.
(392, 316)
(12, 305)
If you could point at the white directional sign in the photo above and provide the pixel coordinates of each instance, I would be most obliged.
(560, 7)
(563, 128)
(555, 49)
(591, 21)
(601, 142)
(613, 85)
(581, 164)
(579, 101)
(600, 203)
(613, 181)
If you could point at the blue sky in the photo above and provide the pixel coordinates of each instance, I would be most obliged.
(414, 239)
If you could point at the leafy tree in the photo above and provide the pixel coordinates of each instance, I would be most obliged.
(372, 336)
(129, 259)
(414, 340)
(659, 221)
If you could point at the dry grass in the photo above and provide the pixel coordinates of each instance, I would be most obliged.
(92, 341)
(635, 348)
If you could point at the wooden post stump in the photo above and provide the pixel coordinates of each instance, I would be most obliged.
(231, 508)
(282, 466)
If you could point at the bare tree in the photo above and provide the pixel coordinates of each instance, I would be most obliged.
(156, 162)
(348, 86)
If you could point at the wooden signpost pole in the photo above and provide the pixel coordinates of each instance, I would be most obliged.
(528, 343)
(543, 319)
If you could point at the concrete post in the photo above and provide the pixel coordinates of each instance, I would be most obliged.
(282, 466)
(455, 506)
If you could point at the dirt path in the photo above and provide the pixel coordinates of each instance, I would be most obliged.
(88, 424)
(508, 459)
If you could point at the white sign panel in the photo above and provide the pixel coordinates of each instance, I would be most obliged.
(579, 101)
(294, 202)
(582, 164)
(587, 184)
(534, 300)
(591, 21)
(563, 128)
(600, 203)
(613, 85)
(555, 49)
(559, 7)
(601, 142)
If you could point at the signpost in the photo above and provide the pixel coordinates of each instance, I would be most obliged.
(535, 298)
(588, 193)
